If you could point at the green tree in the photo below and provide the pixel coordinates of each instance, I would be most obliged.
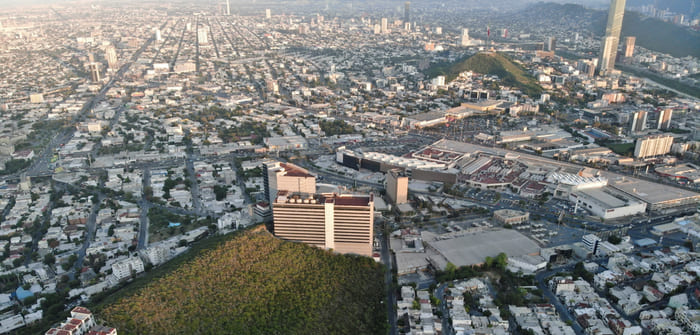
(49, 259)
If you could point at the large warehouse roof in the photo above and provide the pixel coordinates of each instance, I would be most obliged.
(473, 248)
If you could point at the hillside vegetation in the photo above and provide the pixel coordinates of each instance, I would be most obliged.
(257, 284)
(510, 73)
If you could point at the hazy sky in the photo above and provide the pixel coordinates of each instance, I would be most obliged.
(35, 2)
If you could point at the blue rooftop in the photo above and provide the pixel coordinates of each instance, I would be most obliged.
(645, 242)
(22, 294)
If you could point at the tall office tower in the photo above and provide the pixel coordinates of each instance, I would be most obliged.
(377, 29)
(111, 56)
(407, 11)
(438, 30)
(607, 56)
(397, 186)
(608, 50)
(344, 223)
(629, 46)
(158, 37)
(664, 119)
(407, 26)
(385, 26)
(279, 176)
(465, 37)
(653, 146)
(203, 36)
(94, 71)
(551, 43)
(228, 7)
(268, 13)
(639, 121)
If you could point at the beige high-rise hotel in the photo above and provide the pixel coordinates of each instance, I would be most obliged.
(344, 223)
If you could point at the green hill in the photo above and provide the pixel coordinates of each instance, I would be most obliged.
(258, 284)
(510, 73)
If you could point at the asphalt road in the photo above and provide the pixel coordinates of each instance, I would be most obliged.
(440, 294)
(388, 282)
(561, 309)
(145, 206)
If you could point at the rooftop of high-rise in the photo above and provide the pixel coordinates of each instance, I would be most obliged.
(286, 197)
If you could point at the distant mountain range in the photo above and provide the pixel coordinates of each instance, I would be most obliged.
(651, 33)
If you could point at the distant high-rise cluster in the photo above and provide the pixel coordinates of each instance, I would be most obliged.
(608, 50)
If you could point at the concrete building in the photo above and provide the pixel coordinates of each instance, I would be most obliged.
(660, 198)
(203, 36)
(609, 44)
(664, 121)
(155, 255)
(639, 121)
(80, 322)
(607, 203)
(629, 46)
(94, 68)
(36, 98)
(278, 176)
(282, 143)
(407, 11)
(690, 318)
(397, 186)
(111, 56)
(653, 146)
(344, 223)
(510, 216)
(384, 28)
(591, 242)
(126, 268)
(551, 43)
(268, 13)
(464, 41)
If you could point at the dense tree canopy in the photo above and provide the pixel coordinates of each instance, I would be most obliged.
(336, 127)
(257, 284)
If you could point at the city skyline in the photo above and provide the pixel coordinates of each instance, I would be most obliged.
(353, 167)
